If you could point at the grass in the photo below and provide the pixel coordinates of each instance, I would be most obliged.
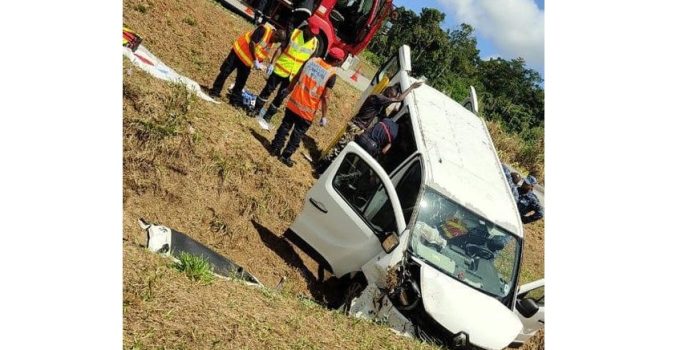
(196, 268)
(226, 314)
(203, 168)
(190, 21)
(512, 149)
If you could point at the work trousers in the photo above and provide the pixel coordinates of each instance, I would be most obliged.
(368, 144)
(299, 126)
(242, 72)
(272, 82)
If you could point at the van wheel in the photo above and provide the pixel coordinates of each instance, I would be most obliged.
(355, 287)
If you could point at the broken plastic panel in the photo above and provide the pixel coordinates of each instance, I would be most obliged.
(165, 240)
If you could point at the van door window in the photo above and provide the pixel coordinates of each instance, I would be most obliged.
(408, 188)
(363, 190)
(403, 146)
(382, 79)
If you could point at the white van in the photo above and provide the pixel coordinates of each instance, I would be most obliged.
(429, 235)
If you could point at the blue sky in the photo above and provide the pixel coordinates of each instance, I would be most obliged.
(504, 28)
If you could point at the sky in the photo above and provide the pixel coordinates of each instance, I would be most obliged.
(503, 28)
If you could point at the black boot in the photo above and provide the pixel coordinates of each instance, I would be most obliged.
(236, 101)
(259, 103)
(270, 112)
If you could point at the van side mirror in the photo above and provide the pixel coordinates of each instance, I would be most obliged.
(389, 242)
(527, 307)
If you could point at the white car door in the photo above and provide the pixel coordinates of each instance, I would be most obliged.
(349, 211)
(530, 309)
(387, 74)
(470, 102)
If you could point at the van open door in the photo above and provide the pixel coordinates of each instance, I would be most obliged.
(350, 212)
(530, 308)
(400, 61)
(470, 102)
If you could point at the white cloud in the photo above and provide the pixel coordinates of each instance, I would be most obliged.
(514, 26)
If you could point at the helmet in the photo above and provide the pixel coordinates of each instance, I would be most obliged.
(336, 53)
(314, 28)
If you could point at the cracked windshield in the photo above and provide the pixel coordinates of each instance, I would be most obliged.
(464, 245)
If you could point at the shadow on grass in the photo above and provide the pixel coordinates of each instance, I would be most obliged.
(263, 140)
(313, 148)
(328, 293)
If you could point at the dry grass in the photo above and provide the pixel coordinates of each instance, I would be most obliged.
(537, 342)
(202, 169)
(164, 309)
(513, 150)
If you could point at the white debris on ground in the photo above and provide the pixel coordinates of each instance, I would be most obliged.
(149, 63)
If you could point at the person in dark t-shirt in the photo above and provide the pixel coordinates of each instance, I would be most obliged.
(379, 138)
(372, 108)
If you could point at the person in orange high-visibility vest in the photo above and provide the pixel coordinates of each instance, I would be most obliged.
(310, 88)
(250, 50)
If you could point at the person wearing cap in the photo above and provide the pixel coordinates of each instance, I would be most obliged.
(529, 207)
(310, 89)
(250, 50)
(301, 47)
(531, 178)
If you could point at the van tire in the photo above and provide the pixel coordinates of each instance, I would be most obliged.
(354, 289)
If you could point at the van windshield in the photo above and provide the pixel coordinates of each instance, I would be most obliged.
(464, 245)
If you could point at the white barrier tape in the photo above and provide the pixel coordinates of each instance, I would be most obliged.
(149, 63)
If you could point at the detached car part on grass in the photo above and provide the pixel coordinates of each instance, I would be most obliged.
(166, 241)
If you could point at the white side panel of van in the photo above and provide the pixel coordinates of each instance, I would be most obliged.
(329, 224)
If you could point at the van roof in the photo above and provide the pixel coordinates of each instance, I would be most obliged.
(463, 160)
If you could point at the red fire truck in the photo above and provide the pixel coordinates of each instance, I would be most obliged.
(347, 24)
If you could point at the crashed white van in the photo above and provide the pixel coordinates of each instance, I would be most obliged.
(429, 234)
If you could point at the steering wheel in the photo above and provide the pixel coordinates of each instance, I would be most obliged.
(336, 15)
(478, 250)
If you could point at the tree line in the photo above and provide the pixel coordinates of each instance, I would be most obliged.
(509, 92)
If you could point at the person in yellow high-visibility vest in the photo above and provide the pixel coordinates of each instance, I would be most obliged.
(310, 90)
(300, 48)
(250, 50)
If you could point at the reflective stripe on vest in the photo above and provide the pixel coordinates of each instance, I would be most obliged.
(389, 137)
(297, 52)
(242, 48)
(306, 96)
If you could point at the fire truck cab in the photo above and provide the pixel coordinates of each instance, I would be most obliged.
(347, 24)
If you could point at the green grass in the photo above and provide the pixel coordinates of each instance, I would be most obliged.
(190, 21)
(195, 267)
(142, 8)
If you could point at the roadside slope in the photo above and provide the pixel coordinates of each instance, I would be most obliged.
(165, 309)
(202, 168)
